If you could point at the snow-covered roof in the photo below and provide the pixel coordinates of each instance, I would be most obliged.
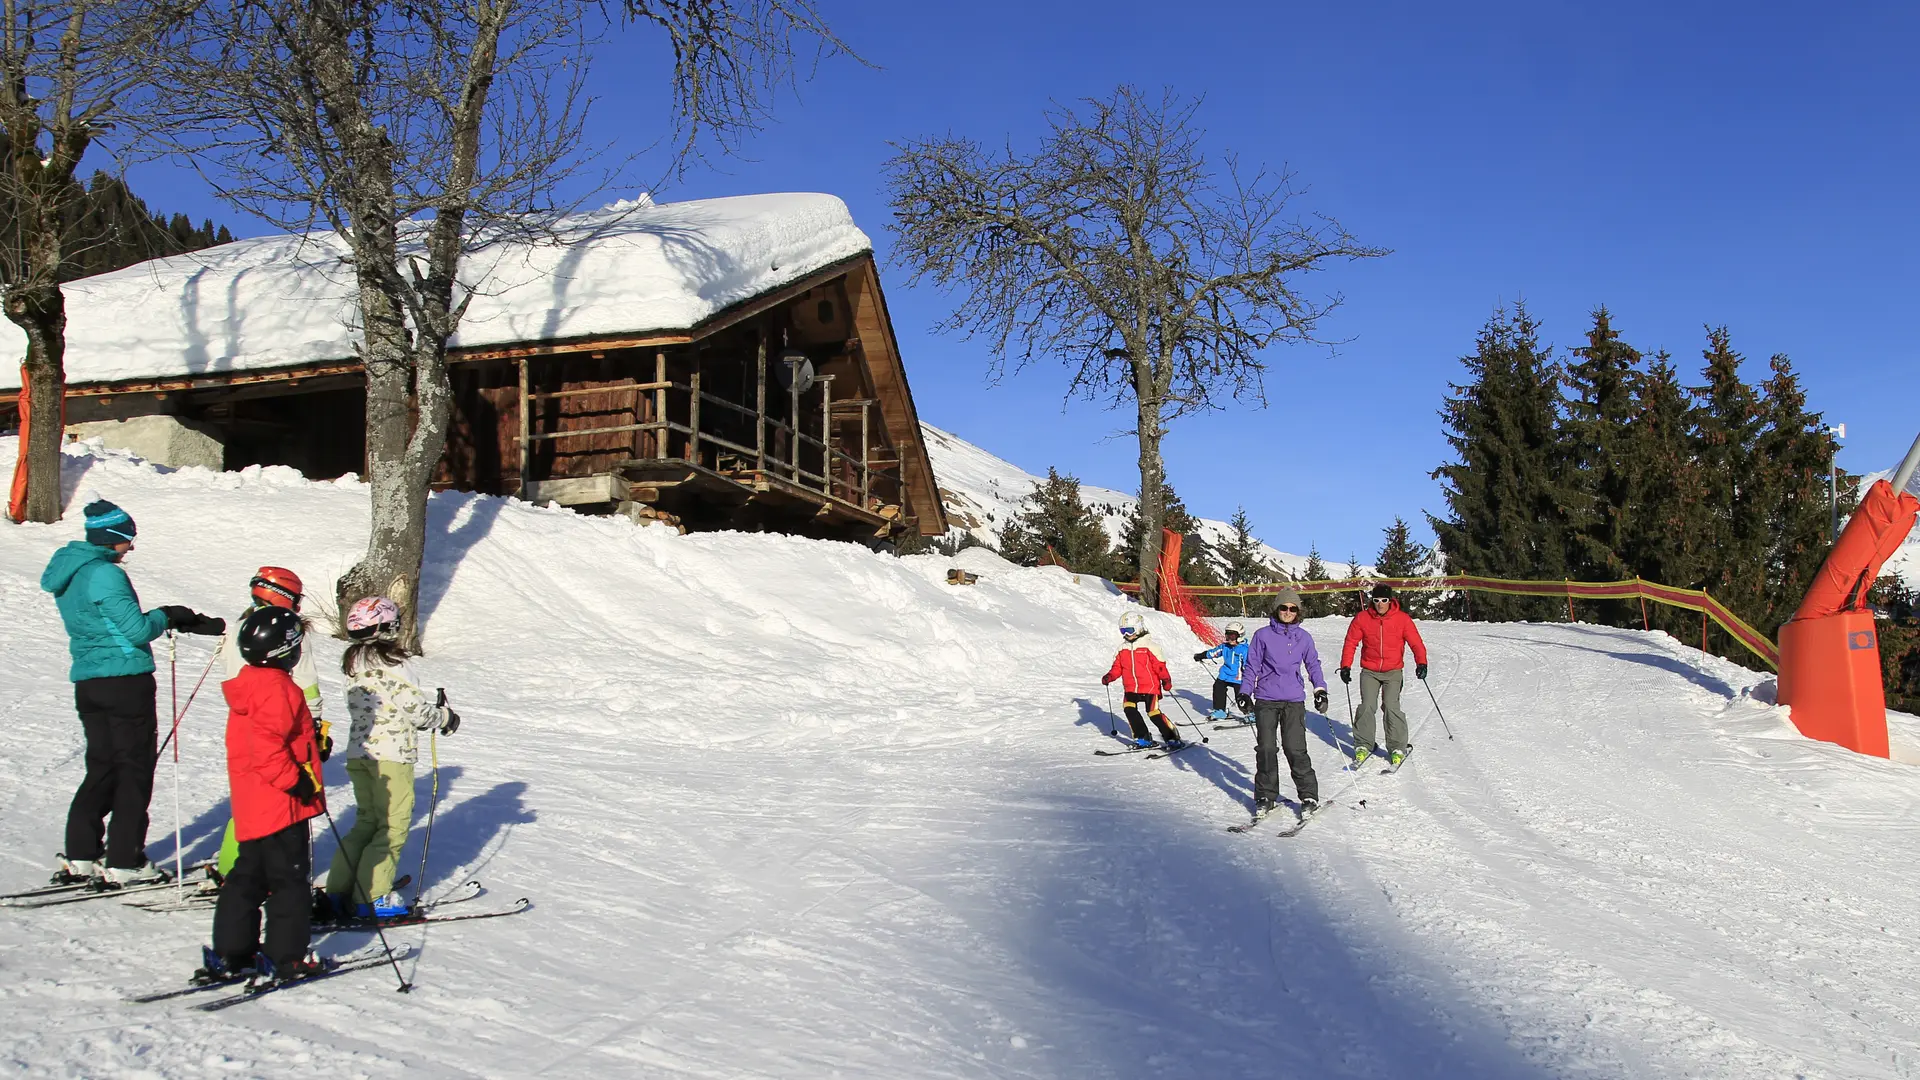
(279, 301)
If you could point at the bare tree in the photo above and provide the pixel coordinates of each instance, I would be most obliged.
(1116, 248)
(419, 129)
(70, 74)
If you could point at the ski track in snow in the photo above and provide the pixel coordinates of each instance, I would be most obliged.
(795, 809)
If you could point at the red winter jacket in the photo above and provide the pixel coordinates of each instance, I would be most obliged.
(1140, 670)
(269, 736)
(1382, 639)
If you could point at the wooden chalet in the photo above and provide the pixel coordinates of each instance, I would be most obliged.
(785, 408)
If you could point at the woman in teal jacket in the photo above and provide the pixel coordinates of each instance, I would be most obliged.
(113, 690)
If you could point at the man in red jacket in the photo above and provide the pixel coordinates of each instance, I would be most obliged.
(1143, 674)
(273, 767)
(1382, 634)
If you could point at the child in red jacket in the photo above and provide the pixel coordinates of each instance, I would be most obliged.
(1143, 674)
(273, 767)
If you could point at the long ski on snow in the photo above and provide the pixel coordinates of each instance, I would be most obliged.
(1258, 817)
(429, 915)
(1232, 724)
(1128, 750)
(262, 989)
(96, 894)
(1164, 752)
(47, 894)
(358, 955)
(1294, 829)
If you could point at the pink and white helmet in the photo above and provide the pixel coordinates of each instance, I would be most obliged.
(372, 616)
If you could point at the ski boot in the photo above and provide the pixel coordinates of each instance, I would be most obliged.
(391, 906)
(74, 871)
(1263, 807)
(1308, 807)
(1143, 743)
(1395, 757)
(215, 969)
(1175, 743)
(305, 967)
(1217, 714)
(1360, 755)
(115, 877)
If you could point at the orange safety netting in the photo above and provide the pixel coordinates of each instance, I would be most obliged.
(1174, 593)
(17, 494)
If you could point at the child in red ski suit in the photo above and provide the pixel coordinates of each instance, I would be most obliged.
(1143, 674)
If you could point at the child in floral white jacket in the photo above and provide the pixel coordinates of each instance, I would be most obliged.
(389, 710)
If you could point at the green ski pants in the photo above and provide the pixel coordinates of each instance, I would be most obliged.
(1381, 688)
(369, 853)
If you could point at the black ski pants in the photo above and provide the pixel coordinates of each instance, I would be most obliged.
(1289, 718)
(1135, 703)
(276, 870)
(121, 724)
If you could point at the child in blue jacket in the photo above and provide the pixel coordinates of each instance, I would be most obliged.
(1232, 656)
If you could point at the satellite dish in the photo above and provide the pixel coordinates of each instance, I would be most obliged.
(794, 370)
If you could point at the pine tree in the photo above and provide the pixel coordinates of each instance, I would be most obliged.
(1506, 501)
(1401, 557)
(1315, 605)
(1727, 424)
(1054, 518)
(1196, 555)
(1793, 454)
(1241, 558)
(1665, 541)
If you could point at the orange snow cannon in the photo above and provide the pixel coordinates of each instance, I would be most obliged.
(1830, 651)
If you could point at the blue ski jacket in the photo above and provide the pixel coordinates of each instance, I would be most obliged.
(1231, 658)
(107, 633)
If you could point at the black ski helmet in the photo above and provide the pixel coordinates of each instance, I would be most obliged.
(270, 637)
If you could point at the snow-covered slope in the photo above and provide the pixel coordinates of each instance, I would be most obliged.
(275, 301)
(796, 809)
(983, 492)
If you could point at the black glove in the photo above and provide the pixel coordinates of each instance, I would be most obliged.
(1200, 655)
(1420, 671)
(209, 625)
(1245, 702)
(1319, 701)
(324, 737)
(1346, 674)
(452, 725)
(304, 788)
(179, 615)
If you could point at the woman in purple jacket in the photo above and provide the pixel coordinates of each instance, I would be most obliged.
(1272, 680)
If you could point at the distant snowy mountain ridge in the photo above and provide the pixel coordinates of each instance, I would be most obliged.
(982, 493)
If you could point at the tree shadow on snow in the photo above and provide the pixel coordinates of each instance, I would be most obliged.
(1186, 959)
(456, 522)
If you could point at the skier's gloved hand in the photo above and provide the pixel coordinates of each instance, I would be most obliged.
(179, 615)
(323, 735)
(452, 723)
(306, 787)
(1245, 702)
(1319, 700)
(1420, 671)
(208, 625)
(1201, 655)
(1346, 674)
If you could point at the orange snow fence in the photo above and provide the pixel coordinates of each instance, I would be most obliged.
(1174, 594)
(1635, 588)
(17, 495)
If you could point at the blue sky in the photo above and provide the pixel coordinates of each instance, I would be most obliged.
(1684, 164)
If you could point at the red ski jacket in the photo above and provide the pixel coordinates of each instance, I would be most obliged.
(1140, 670)
(269, 740)
(1382, 639)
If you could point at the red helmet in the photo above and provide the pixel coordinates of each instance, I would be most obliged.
(278, 587)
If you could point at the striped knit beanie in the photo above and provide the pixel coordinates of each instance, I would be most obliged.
(107, 524)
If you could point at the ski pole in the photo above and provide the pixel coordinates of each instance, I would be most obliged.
(405, 986)
(1113, 722)
(181, 712)
(1351, 715)
(426, 845)
(1437, 712)
(173, 681)
(1191, 722)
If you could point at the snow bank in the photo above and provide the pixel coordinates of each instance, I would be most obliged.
(283, 300)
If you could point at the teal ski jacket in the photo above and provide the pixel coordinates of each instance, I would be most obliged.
(107, 633)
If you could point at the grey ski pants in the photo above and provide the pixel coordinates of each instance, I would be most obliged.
(1381, 688)
(1289, 720)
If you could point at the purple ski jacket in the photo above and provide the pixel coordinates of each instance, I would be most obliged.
(1273, 663)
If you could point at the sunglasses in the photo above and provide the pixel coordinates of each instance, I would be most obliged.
(1287, 607)
(1383, 599)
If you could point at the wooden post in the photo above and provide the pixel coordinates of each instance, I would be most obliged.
(866, 439)
(760, 407)
(826, 435)
(660, 403)
(693, 415)
(1640, 585)
(1569, 585)
(526, 423)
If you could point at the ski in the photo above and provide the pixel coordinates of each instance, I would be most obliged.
(1128, 750)
(1164, 752)
(1294, 829)
(196, 988)
(1232, 724)
(1258, 817)
(1404, 758)
(428, 916)
(339, 967)
(459, 894)
(97, 894)
(61, 892)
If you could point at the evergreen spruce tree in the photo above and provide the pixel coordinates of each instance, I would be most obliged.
(1401, 557)
(1506, 499)
(1727, 424)
(1054, 518)
(1315, 605)
(1666, 539)
(1351, 600)
(1600, 479)
(1241, 558)
(1196, 555)
(1793, 452)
